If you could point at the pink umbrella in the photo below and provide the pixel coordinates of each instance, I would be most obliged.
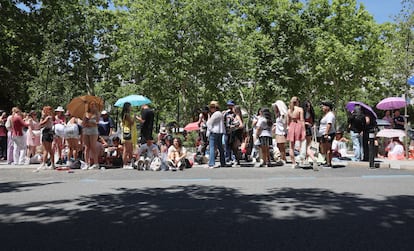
(391, 103)
(391, 133)
(192, 127)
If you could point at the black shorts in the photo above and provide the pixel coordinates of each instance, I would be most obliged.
(328, 139)
(265, 141)
(47, 135)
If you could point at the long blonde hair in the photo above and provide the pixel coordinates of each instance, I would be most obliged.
(294, 101)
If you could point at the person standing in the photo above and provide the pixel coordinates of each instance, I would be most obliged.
(370, 124)
(72, 136)
(58, 140)
(9, 128)
(46, 122)
(296, 129)
(215, 131)
(327, 131)
(147, 123)
(90, 135)
(279, 127)
(228, 120)
(128, 129)
(3, 136)
(356, 126)
(19, 144)
(237, 131)
(33, 134)
(387, 117)
(264, 133)
(399, 121)
(202, 124)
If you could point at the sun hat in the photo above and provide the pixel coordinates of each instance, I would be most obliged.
(104, 112)
(214, 104)
(163, 130)
(59, 109)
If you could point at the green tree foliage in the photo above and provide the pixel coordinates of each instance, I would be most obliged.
(184, 53)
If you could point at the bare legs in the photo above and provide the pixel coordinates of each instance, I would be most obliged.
(91, 152)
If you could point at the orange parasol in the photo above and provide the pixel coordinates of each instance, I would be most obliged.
(77, 106)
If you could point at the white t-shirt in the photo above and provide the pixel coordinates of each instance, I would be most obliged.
(280, 125)
(215, 123)
(329, 118)
(266, 129)
(339, 146)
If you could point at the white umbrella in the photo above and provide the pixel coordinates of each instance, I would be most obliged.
(391, 133)
(281, 106)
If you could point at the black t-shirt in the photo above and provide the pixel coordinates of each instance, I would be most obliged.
(357, 122)
(148, 125)
(399, 119)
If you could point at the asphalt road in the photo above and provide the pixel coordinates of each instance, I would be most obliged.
(207, 209)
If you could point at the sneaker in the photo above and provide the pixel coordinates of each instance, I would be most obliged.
(327, 166)
(94, 166)
(127, 167)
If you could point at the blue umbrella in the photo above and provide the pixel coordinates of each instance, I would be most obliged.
(135, 100)
(351, 104)
(410, 81)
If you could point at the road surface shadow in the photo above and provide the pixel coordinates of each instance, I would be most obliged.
(8, 187)
(210, 218)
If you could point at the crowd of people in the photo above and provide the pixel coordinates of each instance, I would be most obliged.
(277, 135)
(225, 134)
(290, 130)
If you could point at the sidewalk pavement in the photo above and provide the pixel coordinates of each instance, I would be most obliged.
(379, 163)
(385, 163)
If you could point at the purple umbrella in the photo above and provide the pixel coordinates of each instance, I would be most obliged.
(351, 104)
(391, 103)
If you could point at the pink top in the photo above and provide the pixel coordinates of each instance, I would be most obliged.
(18, 125)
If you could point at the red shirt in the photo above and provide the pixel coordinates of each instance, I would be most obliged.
(18, 125)
(3, 130)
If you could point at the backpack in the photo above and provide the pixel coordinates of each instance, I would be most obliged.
(156, 164)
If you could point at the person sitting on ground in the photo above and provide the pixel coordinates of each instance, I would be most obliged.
(114, 153)
(395, 149)
(146, 153)
(176, 155)
(101, 146)
(339, 148)
(167, 142)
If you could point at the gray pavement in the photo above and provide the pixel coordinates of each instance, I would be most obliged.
(349, 207)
